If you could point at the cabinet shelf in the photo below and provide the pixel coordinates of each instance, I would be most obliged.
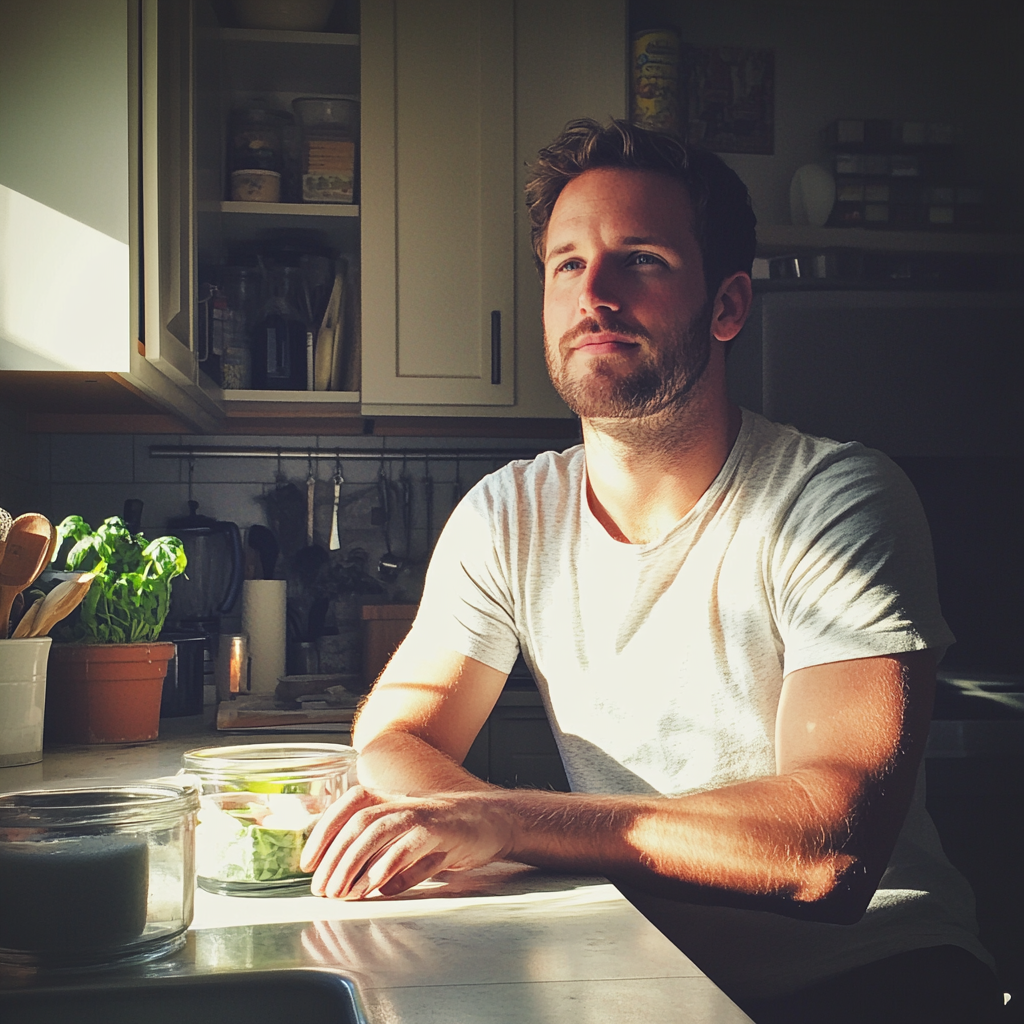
(775, 238)
(319, 63)
(301, 397)
(282, 209)
(279, 36)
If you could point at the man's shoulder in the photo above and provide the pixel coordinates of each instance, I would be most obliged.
(802, 472)
(550, 470)
(780, 449)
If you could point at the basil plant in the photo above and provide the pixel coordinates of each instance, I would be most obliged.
(131, 593)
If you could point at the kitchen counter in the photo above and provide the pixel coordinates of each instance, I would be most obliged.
(505, 943)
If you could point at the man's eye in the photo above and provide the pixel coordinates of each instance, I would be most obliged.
(645, 259)
(569, 265)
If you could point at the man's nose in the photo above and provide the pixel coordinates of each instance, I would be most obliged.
(599, 288)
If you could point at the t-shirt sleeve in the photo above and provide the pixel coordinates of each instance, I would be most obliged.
(467, 602)
(852, 567)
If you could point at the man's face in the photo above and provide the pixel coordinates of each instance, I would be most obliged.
(626, 313)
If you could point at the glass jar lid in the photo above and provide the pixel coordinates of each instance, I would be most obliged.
(284, 762)
(92, 803)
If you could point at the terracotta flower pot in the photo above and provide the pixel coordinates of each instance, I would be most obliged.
(105, 693)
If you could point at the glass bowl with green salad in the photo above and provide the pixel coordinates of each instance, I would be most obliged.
(258, 804)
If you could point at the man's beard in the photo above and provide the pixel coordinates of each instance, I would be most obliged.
(664, 380)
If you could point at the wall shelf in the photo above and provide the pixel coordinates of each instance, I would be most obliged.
(774, 239)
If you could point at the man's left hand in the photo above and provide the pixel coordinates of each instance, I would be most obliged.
(368, 841)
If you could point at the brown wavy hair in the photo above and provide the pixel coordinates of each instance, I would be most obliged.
(724, 221)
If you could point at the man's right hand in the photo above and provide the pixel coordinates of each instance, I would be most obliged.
(368, 841)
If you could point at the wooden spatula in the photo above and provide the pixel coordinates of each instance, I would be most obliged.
(25, 623)
(58, 604)
(25, 557)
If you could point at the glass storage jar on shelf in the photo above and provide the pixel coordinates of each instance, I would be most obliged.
(255, 154)
(259, 804)
(233, 307)
(329, 128)
(94, 873)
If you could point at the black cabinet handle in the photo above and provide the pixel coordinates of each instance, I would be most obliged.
(495, 346)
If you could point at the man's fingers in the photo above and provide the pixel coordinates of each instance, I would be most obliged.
(331, 823)
(362, 841)
(419, 872)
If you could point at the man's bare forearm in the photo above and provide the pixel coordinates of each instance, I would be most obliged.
(398, 762)
(761, 838)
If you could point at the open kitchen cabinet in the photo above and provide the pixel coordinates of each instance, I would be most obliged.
(249, 253)
(76, 216)
(118, 217)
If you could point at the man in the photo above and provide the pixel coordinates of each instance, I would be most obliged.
(733, 626)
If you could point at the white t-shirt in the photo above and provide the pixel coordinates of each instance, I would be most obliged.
(661, 665)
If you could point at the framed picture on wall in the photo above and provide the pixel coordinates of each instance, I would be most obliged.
(731, 98)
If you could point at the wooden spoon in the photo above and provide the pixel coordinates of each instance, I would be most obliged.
(28, 546)
(58, 604)
(5, 526)
(24, 626)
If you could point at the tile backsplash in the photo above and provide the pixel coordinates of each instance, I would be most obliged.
(92, 474)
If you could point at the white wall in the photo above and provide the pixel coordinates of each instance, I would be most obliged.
(901, 59)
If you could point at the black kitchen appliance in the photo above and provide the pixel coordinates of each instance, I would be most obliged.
(213, 577)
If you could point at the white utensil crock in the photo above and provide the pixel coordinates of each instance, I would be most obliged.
(22, 699)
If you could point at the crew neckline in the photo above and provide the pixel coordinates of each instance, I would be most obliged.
(711, 494)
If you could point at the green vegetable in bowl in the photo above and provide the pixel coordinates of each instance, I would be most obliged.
(252, 837)
(131, 594)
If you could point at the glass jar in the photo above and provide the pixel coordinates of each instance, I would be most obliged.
(328, 148)
(232, 309)
(259, 804)
(95, 874)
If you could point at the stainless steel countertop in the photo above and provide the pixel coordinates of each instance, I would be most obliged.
(502, 944)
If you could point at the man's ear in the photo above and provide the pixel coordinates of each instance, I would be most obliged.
(732, 306)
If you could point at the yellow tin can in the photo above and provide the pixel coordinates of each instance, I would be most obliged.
(656, 94)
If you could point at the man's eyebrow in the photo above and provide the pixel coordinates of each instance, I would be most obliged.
(627, 240)
(568, 247)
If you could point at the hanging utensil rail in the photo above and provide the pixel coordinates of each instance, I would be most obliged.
(161, 451)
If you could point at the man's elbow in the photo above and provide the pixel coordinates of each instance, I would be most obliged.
(835, 889)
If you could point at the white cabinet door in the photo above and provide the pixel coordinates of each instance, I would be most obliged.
(438, 202)
(84, 280)
(65, 266)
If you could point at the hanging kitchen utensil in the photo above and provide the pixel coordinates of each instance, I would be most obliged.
(264, 543)
(306, 563)
(405, 488)
(310, 501)
(389, 565)
(132, 514)
(285, 513)
(457, 484)
(29, 545)
(335, 544)
(428, 500)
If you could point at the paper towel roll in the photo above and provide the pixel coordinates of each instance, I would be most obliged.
(264, 611)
